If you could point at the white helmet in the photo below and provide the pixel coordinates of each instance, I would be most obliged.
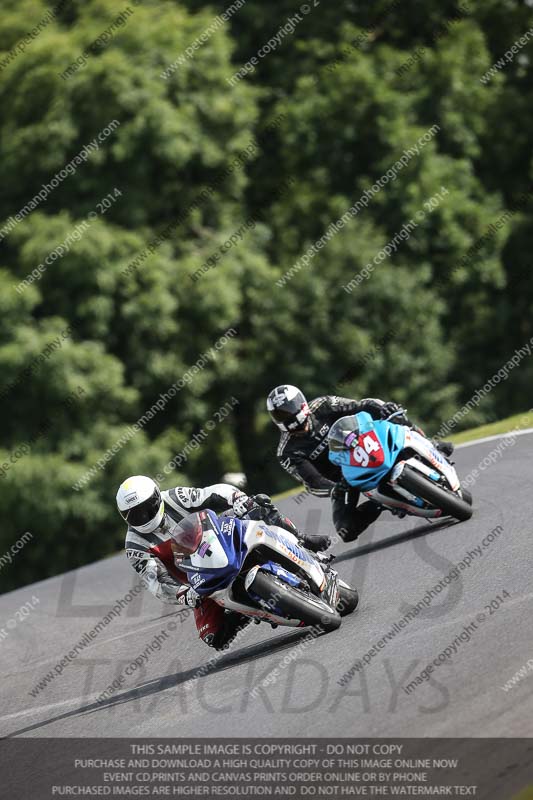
(140, 504)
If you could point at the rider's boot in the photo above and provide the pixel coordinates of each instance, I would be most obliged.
(446, 448)
(325, 558)
(233, 623)
(314, 542)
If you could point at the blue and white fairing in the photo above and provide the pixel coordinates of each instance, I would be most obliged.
(220, 556)
(226, 542)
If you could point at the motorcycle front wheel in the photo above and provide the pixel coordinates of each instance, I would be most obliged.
(295, 603)
(449, 502)
(348, 599)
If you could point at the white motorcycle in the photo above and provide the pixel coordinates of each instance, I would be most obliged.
(260, 571)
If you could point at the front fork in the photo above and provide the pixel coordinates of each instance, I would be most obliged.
(330, 593)
(397, 473)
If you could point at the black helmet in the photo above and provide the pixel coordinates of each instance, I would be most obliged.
(288, 408)
(343, 434)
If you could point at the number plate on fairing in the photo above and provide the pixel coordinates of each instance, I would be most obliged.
(368, 452)
(210, 554)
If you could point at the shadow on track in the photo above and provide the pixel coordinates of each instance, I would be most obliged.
(242, 656)
(390, 541)
(179, 678)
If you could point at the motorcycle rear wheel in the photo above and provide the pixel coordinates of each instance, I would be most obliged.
(294, 603)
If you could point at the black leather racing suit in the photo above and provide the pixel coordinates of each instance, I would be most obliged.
(305, 457)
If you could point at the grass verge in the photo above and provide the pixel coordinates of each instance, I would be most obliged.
(517, 422)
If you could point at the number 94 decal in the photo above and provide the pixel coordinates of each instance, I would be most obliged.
(367, 452)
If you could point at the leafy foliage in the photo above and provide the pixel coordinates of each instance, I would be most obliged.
(218, 188)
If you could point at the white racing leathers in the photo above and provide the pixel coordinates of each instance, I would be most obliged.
(179, 502)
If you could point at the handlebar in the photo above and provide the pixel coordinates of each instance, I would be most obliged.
(402, 412)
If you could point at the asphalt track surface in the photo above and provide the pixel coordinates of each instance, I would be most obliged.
(393, 565)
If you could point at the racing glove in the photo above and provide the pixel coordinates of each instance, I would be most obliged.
(390, 408)
(242, 504)
(400, 419)
(186, 596)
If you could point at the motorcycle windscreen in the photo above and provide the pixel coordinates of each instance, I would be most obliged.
(187, 534)
(220, 555)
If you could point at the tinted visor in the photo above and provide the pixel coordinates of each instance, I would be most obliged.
(343, 434)
(292, 415)
(144, 512)
(187, 536)
(280, 415)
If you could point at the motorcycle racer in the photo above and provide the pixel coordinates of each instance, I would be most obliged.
(303, 450)
(213, 550)
(151, 515)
